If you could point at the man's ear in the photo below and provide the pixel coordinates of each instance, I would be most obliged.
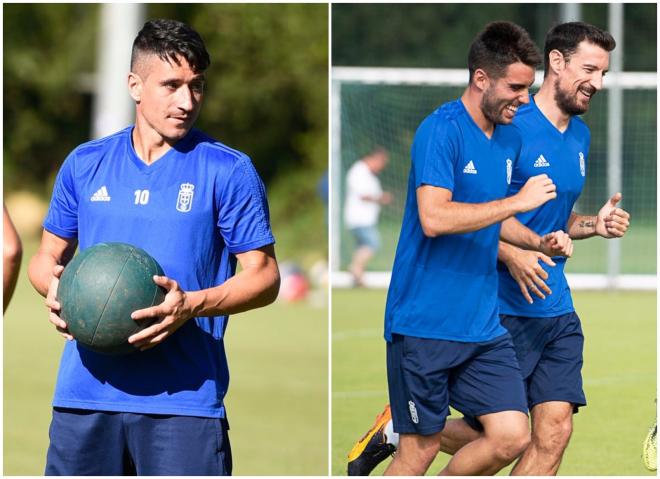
(556, 61)
(135, 86)
(480, 79)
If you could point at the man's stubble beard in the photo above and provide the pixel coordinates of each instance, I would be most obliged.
(567, 103)
(492, 108)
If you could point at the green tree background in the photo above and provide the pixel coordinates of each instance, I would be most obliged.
(439, 35)
(267, 96)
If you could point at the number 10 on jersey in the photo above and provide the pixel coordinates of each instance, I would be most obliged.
(141, 197)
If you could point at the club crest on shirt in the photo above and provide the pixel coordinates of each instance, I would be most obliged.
(184, 201)
(509, 170)
(582, 165)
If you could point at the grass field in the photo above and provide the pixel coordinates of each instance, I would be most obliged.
(277, 402)
(619, 379)
(638, 250)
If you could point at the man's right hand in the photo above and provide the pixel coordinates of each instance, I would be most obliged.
(54, 306)
(538, 190)
(526, 270)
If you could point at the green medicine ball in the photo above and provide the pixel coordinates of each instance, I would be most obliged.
(101, 287)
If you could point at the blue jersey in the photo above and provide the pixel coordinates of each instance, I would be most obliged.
(193, 210)
(563, 157)
(446, 287)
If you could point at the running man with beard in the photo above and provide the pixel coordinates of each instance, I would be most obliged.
(547, 333)
(445, 344)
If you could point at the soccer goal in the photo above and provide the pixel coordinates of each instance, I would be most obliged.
(384, 106)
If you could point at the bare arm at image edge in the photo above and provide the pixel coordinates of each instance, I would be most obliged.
(12, 250)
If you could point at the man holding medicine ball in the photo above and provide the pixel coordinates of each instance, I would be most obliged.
(198, 207)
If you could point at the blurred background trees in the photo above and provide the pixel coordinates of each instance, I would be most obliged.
(440, 34)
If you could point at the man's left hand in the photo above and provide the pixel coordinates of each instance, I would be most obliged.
(173, 312)
(556, 243)
(612, 222)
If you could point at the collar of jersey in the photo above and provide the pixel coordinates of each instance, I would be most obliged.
(474, 123)
(160, 162)
(547, 122)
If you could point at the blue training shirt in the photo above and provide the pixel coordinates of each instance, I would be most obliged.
(563, 157)
(192, 210)
(446, 287)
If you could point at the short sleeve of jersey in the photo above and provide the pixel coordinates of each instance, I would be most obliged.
(62, 217)
(434, 153)
(243, 217)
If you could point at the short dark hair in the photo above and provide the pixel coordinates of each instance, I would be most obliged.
(566, 37)
(499, 45)
(169, 39)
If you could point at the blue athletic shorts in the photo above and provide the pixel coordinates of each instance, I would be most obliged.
(549, 351)
(426, 376)
(367, 236)
(93, 443)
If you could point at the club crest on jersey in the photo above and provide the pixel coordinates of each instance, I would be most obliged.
(509, 170)
(583, 169)
(184, 201)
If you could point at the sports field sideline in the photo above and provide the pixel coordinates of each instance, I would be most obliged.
(619, 379)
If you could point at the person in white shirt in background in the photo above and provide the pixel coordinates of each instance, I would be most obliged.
(364, 197)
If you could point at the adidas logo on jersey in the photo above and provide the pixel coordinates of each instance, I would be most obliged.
(541, 162)
(470, 169)
(101, 195)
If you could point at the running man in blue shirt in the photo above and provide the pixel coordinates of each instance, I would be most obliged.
(444, 341)
(556, 141)
(546, 332)
(198, 207)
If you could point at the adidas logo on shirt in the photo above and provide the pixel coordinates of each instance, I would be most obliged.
(541, 162)
(101, 195)
(470, 169)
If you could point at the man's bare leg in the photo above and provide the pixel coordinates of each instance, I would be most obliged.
(414, 455)
(506, 435)
(552, 425)
(361, 258)
(456, 434)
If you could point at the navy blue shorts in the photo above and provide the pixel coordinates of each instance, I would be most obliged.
(549, 351)
(96, 443)
(426, 376)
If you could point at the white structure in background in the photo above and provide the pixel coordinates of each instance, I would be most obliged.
(615, 133)
(113, 108)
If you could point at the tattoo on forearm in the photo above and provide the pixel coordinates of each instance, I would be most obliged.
(586, 224)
